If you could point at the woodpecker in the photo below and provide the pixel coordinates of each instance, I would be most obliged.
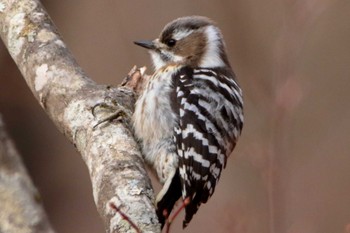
(189, 114)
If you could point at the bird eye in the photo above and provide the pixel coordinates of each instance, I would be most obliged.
(171, 42)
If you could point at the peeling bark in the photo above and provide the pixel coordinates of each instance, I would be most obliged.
(21, 210)
(68, 97)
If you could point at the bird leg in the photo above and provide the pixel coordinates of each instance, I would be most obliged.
(117, 112)
(134, 81)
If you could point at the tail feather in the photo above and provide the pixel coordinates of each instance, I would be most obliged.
(192, 208)
(168, 200)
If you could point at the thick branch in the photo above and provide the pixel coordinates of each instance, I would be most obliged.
(68, 96)
(21, 210)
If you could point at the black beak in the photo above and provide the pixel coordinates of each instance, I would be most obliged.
(146, 44)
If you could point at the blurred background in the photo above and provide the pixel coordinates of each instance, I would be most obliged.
(290, 171)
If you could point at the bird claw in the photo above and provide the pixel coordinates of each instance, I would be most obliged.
(118, 113)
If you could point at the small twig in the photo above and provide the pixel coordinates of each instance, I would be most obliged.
(136, 79)
(169, 221)
(125, 217)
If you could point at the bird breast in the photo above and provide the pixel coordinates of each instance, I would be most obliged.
(153, 118)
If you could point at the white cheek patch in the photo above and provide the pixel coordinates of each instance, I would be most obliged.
(172, 57)
(159, 62)
(212, 57)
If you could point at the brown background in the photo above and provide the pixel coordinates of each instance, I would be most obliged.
(290, 171)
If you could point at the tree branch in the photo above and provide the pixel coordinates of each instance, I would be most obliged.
(21, 210)
(68, 97)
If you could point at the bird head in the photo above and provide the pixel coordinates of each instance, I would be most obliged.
(193, 41)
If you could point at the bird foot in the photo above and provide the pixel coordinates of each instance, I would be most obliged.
(113, 110)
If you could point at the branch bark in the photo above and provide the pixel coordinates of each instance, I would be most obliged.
(111, 154)
(21, 210)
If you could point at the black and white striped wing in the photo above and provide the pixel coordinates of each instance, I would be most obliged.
(209, 108)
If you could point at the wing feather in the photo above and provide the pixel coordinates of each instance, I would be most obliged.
(207, 105)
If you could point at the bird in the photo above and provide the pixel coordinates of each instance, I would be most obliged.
(189, 114)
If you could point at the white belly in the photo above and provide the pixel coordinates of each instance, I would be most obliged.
(154, 120)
